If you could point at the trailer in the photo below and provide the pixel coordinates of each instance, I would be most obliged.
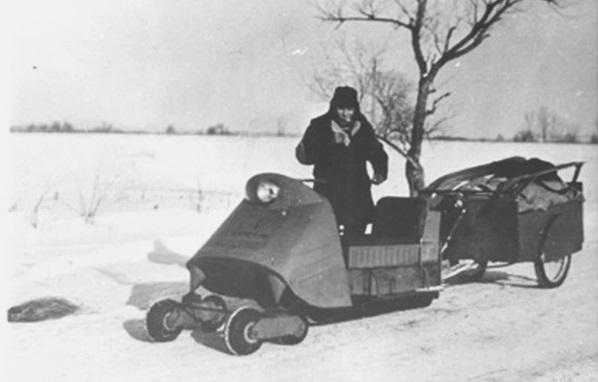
(511, 211)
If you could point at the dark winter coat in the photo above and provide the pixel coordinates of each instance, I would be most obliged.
(343, 170)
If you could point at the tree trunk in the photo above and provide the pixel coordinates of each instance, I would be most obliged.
(415, 174)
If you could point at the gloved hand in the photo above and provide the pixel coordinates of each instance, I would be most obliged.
(378, 179)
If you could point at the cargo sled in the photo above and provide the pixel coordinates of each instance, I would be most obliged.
(510, 211)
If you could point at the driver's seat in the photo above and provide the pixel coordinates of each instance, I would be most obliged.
(399, 220)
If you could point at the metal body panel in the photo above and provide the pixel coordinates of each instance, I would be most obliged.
(383, 255)
(493, 230)
(486, 232)
(262, 248)
(390, 255)
(403, 263)
(383, 281)
(558, 231)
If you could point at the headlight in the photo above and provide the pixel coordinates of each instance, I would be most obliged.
(263, 189)
(267, 191)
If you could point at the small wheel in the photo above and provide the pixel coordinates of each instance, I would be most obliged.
(551, 274)
(238, 334)
(159, 321)
(216, 302)
(296, 338)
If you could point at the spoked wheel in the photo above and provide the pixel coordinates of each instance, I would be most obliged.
(215, 302)
(298, 337)
(238, 334)
(160, 321)
(465, 270)
(551, 274)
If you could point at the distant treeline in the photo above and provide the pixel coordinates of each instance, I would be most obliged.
(524, 135)
(106, 128)
(546, 125)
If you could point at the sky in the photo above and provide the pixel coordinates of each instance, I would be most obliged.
(148, 64)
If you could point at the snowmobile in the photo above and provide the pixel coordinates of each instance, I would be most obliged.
(281, 260)
(278, 264)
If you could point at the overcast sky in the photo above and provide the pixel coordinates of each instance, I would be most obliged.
(146, 64)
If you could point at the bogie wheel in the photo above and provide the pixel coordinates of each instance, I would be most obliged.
(551, 274)
(296, 338)
(159, 321)
(215, 302)
(238, 334)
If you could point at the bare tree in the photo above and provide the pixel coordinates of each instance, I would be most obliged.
(353, 64)
(53, 182)
(385, 96)
(545, 121)
(552, 127)
(440, 31)
(90, 204)
(90, 201)
(529, 120)
(281, 125)
(393, 95)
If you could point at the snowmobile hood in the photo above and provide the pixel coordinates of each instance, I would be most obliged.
(283, 232)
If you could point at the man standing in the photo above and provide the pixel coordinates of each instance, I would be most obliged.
(339, 144)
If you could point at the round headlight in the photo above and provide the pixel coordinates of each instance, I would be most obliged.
(266, 191)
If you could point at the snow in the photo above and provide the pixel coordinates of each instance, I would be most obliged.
(162, 198)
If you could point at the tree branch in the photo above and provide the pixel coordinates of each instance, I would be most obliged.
(368, 15)
(400, 4)
(416, 37)
(493, 11)
(447, 41)
(402, 152)
(436, 102)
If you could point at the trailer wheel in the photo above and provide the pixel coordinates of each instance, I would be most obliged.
(551, 274)
(215, 302)
(159, 321)
(296, 339)
(238, 334)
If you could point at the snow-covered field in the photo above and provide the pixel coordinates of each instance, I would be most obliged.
(160, 197)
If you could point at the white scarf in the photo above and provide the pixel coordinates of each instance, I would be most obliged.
(345, 134)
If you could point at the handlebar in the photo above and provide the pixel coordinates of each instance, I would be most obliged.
(312, 180)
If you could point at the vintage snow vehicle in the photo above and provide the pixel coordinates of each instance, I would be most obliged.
(281, 264)
(280, 257)
(509, 211)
